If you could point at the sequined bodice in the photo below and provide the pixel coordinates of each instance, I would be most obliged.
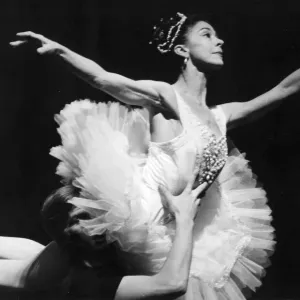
(166, 159)
(212, 160)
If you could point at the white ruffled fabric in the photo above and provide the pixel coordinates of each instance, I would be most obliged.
(104, 152)
(236, 236)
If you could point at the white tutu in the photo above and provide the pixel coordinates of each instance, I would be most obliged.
(104, 152)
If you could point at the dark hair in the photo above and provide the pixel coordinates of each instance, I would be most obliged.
(166, 30)
(61, 221)
(56, 212)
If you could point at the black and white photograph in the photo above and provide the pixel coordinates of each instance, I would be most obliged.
(150, 150)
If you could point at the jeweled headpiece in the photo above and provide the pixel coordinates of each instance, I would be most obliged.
(166, 37)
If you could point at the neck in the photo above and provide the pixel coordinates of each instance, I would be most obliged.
(193, 83)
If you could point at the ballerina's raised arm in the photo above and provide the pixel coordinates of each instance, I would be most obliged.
(238, 113)
(132, 92)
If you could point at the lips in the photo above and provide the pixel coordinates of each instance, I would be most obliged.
(220, 54)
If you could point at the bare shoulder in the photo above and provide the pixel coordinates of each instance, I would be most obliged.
(164, 90)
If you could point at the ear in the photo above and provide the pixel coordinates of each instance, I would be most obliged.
(181, 50)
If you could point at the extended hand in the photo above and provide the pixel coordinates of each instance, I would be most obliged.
(185, 204)
(45, 46)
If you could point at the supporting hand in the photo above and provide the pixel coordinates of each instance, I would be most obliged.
(184, 205)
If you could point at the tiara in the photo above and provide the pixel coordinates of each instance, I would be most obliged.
(173, 33)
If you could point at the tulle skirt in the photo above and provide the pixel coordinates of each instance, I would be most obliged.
(104, 152)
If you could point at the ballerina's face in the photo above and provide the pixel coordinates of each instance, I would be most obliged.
(204, 46)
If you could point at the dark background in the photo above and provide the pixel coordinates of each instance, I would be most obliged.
(262, 46)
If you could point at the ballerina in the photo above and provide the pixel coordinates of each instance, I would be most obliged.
(103, 154)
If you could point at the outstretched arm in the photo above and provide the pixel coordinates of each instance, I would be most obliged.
(18, 248)
(37, 272)
(132, 92)
(238, 113)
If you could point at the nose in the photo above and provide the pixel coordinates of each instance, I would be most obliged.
(219, 42)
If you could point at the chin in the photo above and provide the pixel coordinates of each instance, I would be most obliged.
(218, 62)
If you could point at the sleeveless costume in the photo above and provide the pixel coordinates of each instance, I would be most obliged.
(107, 152)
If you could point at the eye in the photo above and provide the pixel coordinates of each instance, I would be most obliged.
(207, 34)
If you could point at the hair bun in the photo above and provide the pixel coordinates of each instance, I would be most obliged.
(166, 32)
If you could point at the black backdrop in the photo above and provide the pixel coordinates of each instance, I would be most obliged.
(262, 45)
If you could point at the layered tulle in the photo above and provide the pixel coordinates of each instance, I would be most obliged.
(234, 237)
(104, 152)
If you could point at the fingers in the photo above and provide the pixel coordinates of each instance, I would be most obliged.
(40, 50)
(197, 191)
(46, 45)
(198, 201)
(163, 190)
(44, 49)
(194, 175)
(166, 195)
(25, 36)
(191, 159)
(191, 181)
(32, 35)
(29, 34)
(17, 43)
